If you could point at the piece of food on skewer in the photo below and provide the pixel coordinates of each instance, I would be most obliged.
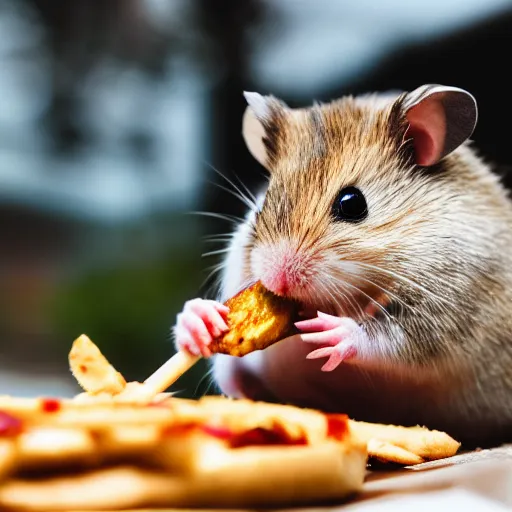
(257, 318)
(92, 370)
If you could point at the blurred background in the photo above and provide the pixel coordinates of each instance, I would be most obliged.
(114, 115)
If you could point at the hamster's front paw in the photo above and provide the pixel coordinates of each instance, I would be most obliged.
(341, 337)
(198, 324)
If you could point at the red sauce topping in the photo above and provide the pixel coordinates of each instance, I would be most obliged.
(177, 430)
(253, 437)
(50, 405)
(9, 425)
(261, 436)
(218, 432)
(337, 426)
(162, 404)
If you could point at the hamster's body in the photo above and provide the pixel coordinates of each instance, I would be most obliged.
(414, 292)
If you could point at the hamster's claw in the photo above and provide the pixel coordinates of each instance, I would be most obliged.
(339, 338)
(322, 322)
(198, 324)
(337, 354)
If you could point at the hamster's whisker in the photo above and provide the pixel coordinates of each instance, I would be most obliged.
(249, 201)
(221, 237)
(347, 296)
(321, 291)
(401, 278)
(218, 251)
(352, 286)
(353, 303)
(388, 292)
(335, 299)
(223, 216)
(245, 200)
(380, 306)
(214, 269)
(218, 241)
(208, 375)
(250, 195)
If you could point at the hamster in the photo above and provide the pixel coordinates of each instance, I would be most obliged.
(380, 218)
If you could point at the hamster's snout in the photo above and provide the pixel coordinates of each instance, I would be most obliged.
(282, 268)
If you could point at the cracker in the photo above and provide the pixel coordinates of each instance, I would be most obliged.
(388, 452)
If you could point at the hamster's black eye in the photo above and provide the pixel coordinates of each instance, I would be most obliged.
(350, 205)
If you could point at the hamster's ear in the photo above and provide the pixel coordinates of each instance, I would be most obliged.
(440, 119)
(262, 119)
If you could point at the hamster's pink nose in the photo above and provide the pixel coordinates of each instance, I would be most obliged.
(276, 282)
(281, 268)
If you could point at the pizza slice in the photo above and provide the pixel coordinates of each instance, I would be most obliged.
(213, 452)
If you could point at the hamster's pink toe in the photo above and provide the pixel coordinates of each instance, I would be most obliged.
(198, 324)
(210, 314)
(337, 355)
(322, 322)
(184, 341)
(338, 338)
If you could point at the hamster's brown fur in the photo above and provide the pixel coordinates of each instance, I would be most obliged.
(437, 241)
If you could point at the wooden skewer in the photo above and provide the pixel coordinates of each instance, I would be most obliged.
(170, 372)
(160, 380)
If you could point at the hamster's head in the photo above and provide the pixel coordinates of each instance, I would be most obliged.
(356, 191)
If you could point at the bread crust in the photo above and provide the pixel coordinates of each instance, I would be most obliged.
(214, 452)
(251, 477)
